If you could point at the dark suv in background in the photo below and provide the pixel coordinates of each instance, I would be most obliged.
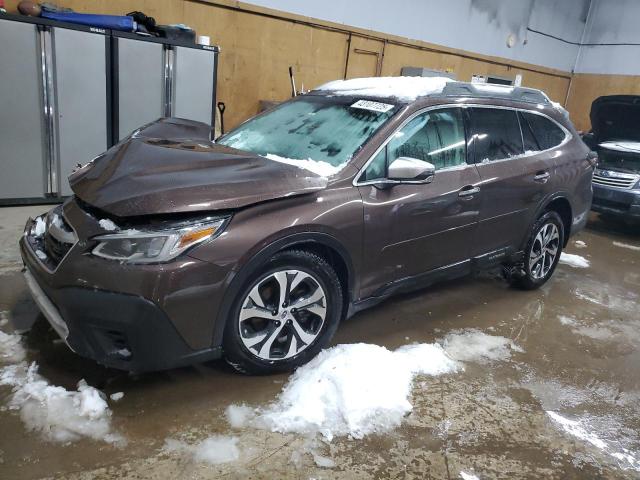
(615, 136)
(177, 249)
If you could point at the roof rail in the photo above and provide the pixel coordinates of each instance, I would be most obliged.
(484, 90)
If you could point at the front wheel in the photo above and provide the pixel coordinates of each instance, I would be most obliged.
(283, 315)
(542, 252)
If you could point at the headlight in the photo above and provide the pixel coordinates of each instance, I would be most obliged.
(133, 246)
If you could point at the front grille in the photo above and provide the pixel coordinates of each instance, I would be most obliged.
(58, 238)
(55, 249)
(615, 179)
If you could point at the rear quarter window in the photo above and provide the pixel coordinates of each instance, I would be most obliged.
(545, 132)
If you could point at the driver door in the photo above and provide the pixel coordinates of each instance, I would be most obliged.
(414, 228)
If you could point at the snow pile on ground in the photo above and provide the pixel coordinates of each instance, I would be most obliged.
(568, 321)
(626, 458)
(213, 450)
(58, 414)
(108, 225)
(11, 350)
(322, 461)
(476, 346)
(580, 244)
(626, 245)
(239, 416)
(350, 390)
(575, 261)
(116, 397)
(324, 169)
(403, 88)
(468, 476)
(311, 447)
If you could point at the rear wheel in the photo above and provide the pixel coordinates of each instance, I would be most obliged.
(542, 252)
(284, 315)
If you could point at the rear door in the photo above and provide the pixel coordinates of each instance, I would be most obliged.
(516, 176)
(542, 137)
(415, 228)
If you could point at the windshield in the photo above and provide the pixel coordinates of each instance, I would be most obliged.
(615, 160)
(312, 131)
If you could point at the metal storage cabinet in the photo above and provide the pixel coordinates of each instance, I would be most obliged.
(138, 84)
(22, 134)
(195, 70)
(80, 77)
(153, 78)
(69, 92)
(53, 105)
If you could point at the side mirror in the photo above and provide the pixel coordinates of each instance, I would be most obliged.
(406, 169)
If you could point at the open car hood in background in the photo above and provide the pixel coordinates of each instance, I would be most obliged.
(616, 117)
(171, 166)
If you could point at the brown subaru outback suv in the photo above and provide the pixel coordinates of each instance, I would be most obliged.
(177, 249)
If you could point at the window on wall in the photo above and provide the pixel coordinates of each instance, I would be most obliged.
(546, 132)
(436, 137)
(495, 134)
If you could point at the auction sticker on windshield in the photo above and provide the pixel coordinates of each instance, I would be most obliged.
(372, 106)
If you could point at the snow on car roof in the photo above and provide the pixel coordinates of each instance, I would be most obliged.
(410, 88)
(402, 88)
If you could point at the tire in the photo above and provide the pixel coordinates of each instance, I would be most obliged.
(265, 335)
(535, 273)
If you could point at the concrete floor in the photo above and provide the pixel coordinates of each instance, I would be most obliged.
(489, 420)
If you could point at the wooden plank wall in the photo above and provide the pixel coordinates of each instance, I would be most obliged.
(585, 88)
(258, 45)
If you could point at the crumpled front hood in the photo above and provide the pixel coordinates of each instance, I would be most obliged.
(171, 166)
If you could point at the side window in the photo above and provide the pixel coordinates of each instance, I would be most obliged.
(547, 133)
(530, 142)
(495, 134)
(436, 137)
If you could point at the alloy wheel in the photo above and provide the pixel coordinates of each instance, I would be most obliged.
(544, 250)
(282, 315)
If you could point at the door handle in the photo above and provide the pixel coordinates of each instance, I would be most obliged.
(468, 191)
(542, 177)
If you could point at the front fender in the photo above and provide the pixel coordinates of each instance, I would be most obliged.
(331, 218)
(245, 271)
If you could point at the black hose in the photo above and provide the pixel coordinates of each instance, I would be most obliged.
(583, 44)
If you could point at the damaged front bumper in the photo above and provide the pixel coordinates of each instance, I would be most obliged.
(82, 300)
(47, 308)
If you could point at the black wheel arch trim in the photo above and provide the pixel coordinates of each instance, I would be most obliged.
(544, 206)
(238, 278)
